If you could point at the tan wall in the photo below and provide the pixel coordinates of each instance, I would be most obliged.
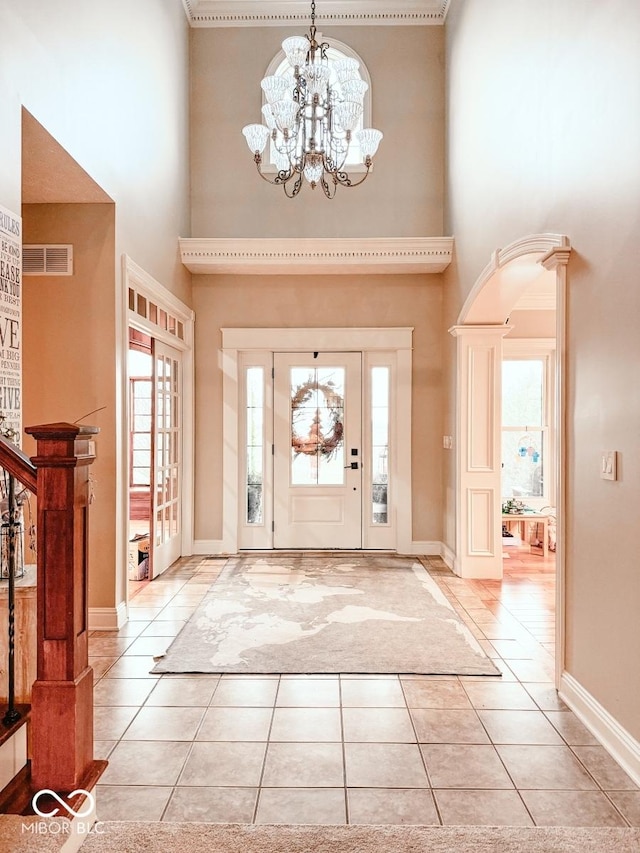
(320, 301)
(109, 81)
(69, 361)
(544, 134)
(403, 197)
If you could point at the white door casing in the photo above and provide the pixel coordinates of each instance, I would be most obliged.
(318, 446)
(146, 305)
(252, 349)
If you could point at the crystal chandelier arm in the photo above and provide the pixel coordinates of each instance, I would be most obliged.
(344, 180)
(281, 179)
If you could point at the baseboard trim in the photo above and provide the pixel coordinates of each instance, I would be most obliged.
(216, 546)
(429, 549)
(208, 546)
(613, 737)
(448, 556)
(108, 618)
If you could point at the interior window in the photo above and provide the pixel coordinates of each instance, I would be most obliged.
(524, 429)
(282, 68)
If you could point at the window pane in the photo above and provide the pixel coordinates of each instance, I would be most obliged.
(142, 423)
(254, 443)
(380, 444)
(142, 441)
(317, 426)
(522, 392)
(523, 464)
(254, 504)
(140, 477)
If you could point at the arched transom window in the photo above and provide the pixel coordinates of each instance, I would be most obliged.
(280, 67)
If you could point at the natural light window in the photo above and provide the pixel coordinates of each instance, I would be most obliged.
(526, 468)
(280, 67)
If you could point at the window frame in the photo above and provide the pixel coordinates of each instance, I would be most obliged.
(538, 349)
(347, 52)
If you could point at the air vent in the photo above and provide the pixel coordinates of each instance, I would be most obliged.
(47, 260)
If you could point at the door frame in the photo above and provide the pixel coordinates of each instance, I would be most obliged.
(489, 302)
(236, 343)
(145, 290)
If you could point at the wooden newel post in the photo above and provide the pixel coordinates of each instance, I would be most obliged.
(62, 696)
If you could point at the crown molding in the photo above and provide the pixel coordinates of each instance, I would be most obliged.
(320, 256)
(280, 13)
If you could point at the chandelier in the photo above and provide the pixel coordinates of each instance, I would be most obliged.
(311, 119)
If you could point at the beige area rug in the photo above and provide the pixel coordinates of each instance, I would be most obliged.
(234, 838)
(371, 614)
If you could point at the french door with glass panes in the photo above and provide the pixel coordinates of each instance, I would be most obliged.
(316, 430)
(167, 440)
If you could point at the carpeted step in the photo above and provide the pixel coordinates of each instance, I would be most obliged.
(137, 837)
(19, 835)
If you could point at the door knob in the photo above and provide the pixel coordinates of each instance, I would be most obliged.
(353, 465)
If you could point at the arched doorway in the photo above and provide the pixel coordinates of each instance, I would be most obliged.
(480, 330)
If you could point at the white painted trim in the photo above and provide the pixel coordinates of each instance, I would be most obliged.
(136, 277)
(78, 827)
(403, 419)
(255, 13)
(429, 549)
(207, 546)
(618, 742)
(557, 260)
(536, 302)
(528, 346)
(322, 256)
(448, 556)
(108, 618)
(540, 245)
(302, 340)
(235, 341)
(13, 756)
(477, 450)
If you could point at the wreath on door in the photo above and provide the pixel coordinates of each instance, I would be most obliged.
(318, 440)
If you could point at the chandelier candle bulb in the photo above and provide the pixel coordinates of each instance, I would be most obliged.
(311, 117)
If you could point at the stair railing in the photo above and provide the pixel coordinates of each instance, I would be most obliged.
(18, 467)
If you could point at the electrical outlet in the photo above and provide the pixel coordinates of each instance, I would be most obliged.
(447, 442)
(608, 465)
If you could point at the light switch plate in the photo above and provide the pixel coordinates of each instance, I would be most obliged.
(608, 465)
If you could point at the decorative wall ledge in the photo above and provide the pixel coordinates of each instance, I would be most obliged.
(326, 256)
(279, 13)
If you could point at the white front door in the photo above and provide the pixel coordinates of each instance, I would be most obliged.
(167, 441)
(317, 450)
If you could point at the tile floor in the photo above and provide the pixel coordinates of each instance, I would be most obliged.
(353, 749)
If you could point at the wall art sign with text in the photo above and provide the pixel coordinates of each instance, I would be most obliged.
(11, 320)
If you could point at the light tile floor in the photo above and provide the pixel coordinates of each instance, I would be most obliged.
(353, 749)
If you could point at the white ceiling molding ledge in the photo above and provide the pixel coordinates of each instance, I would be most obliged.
(316, 256)
(280, 13)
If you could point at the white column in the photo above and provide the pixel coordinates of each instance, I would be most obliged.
(557, 259)
(478, 451)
